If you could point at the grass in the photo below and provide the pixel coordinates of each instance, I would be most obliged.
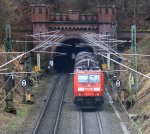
(16, 123)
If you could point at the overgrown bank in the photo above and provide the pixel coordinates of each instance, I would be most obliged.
(142, 104)
(141, 109)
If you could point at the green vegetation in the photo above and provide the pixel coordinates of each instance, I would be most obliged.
(18, 119)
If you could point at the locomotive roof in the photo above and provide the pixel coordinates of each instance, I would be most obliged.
(88, 72)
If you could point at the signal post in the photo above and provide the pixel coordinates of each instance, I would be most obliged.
(27, 83)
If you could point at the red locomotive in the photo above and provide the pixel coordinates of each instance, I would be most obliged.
(88, 81)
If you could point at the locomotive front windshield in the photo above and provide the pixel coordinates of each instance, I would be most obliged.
(90, 78)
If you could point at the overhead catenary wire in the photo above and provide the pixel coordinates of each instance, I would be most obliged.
(19, 73)
(12, 60)
(50, 52)
(46, 40)
(37, 47)
(17, 96)
(36, 34)
(9, 77)
(95, 39)
(52, 40)
(11, 52)
(103, 47)
(9, 92)
(113, 90)
(113, 41)
(125, 66)
(146, 55)
(50, 44)
(112, 50)
(40, 45)
(118, 44)
(20, 59)
(44, 43)
(14, 69)
(35, 41)
(137, 127)
(4, 69)
(115, 71)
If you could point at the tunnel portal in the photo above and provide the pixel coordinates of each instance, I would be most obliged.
(65, 63)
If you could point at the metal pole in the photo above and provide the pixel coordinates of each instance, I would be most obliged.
(135, 3)
(27, 68)
(8, 78)
(116, 66)
(39, 61)
(25, 75)
(114, 31)
(134, 57)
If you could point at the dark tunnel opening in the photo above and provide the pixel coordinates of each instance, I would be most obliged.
(65, 63)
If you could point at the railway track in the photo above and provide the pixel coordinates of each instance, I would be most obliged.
(90, 123)
(49, 117)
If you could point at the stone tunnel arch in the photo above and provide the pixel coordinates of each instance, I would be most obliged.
(71, 46)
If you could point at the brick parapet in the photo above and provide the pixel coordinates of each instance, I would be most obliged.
(45, 13)
(45, 19)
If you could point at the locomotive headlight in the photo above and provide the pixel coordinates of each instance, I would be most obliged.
(96, 89)
(80, 89)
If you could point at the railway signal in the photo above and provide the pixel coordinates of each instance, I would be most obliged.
(27, 87)
(24, 83)
(118, 83)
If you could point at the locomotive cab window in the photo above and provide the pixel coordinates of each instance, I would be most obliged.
(91, 78)
(94, 78)
(82, 78)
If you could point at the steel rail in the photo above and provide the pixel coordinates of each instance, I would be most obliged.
(99, 123)
(100, 129)
(45, 106)
(60, 106)
(81, 122)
